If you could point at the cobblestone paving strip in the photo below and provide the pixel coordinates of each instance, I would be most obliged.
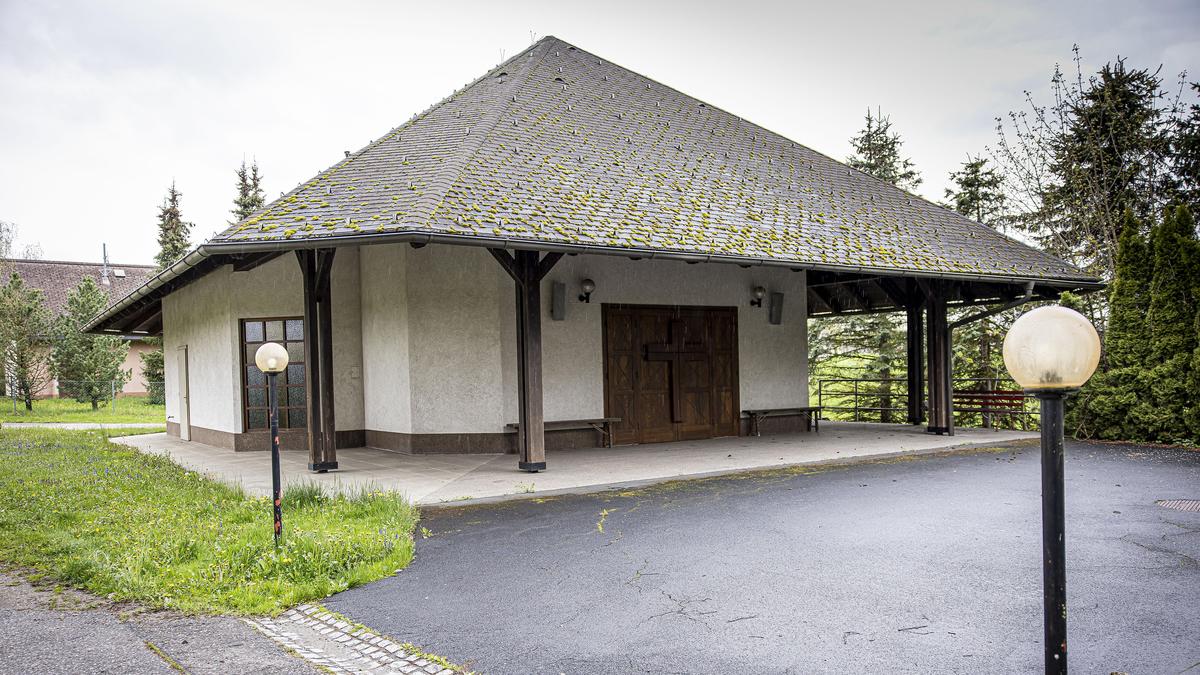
(333, 644)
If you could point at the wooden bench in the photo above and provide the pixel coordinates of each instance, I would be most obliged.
(990, 401)
(602, 426)
(812, 420)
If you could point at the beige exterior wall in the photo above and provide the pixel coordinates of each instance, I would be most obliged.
(205, 317)
(136, 386)
(425, 339)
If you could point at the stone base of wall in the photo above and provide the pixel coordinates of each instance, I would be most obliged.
(480, 443)
(289, 439)
(475, 443)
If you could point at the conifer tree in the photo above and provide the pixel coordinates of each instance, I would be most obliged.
(173, 231)
(978, 191)
(1106, 408)
(24, 327)
(250, 196)
(1126, 340)
(1171, 324)
(978, 194)
(87, 366)
(872, 346)
(877, 152)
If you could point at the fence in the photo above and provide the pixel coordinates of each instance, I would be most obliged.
(982, 402)
(105, 392)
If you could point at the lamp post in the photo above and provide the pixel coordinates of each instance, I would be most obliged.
(1051, 351)
(272, 359)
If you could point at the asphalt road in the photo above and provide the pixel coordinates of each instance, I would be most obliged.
(929, 565)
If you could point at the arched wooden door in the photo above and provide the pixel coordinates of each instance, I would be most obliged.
(670, 373)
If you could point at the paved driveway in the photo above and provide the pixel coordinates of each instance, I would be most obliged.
(925, 565)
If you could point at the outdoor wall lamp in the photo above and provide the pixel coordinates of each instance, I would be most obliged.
(1051, 352)
(759, 293)
(272, 359)
(587, 286)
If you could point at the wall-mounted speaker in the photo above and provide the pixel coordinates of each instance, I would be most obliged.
(775, 309)
(558, 301)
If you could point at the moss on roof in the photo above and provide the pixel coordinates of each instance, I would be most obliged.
(560, 146)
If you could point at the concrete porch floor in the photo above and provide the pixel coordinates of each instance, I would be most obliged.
(433, 479)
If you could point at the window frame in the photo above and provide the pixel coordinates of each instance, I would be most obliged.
(283, 390)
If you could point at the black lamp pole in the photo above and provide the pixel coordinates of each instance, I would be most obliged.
(276, 492)
(1054, 549)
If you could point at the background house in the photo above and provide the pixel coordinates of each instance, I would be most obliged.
(57, 278)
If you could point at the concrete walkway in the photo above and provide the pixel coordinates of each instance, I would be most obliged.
(83, 425)
(433, 479)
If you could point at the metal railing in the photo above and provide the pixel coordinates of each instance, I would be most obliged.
(982, 402)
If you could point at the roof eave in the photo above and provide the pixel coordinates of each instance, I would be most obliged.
(211, 250)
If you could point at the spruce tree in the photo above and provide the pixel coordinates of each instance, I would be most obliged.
(250, 196)
(877, 152)
(173, 231)
(978, 194)
(871, 346)
(978, 191)
(87, 366)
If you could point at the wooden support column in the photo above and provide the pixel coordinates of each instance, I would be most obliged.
(941, 411)
(916, 362)
(527, 269)
(316, 267)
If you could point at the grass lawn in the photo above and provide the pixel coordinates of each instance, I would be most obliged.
(131, 409)
(138, 527)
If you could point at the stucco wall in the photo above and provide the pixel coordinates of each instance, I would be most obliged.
(455, 301)
(425, 339)
(198, 316)
(461, 334)
(385, 350)
(772, 361)
(205, 316)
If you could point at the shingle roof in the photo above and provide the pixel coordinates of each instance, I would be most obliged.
(57, 278)
(557, 145)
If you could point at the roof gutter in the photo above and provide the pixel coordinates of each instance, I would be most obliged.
(187, 262)
(652, 254)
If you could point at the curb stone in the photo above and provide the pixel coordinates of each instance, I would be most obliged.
(329, 642)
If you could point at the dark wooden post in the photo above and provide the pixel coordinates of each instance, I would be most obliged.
(528, 268)
(916, 362)
(941, 411)
(316, 267)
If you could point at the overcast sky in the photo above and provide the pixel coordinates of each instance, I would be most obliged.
(103, 104)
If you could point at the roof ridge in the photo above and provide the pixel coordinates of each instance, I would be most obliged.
(453, 171)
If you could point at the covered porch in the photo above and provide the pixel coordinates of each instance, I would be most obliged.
(431, 479)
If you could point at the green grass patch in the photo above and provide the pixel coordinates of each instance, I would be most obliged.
(138, 527)
(130, 409)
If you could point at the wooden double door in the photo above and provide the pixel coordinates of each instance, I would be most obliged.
(670, 373)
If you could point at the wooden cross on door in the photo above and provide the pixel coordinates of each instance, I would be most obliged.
(675, 352)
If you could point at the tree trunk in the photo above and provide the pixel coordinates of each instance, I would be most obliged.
(95, 404)
(29, 402)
